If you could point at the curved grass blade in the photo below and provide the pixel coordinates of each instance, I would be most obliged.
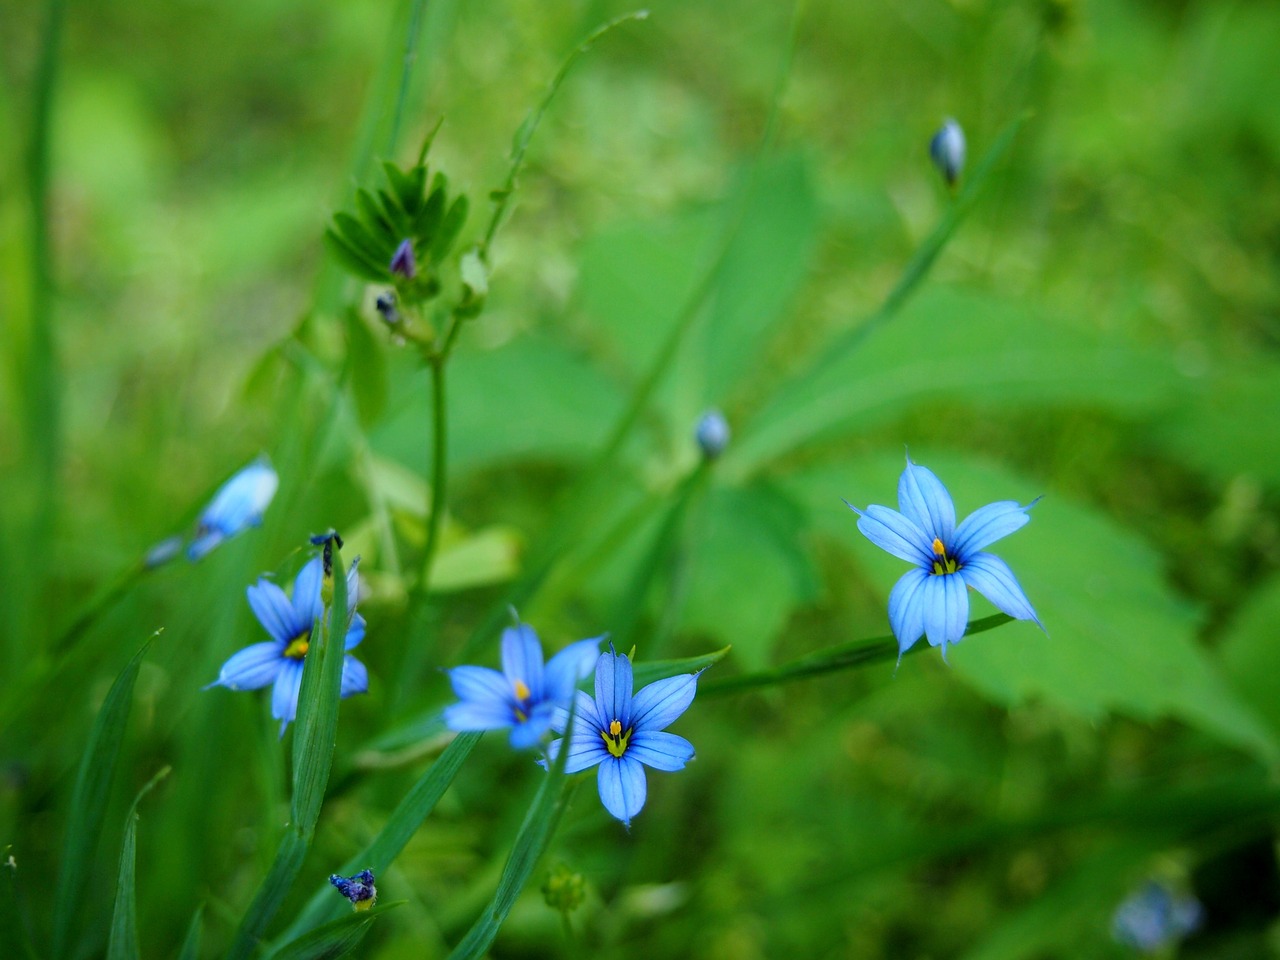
(122, 944)
(648, 671)
(795, 413)
(335, 939)
(314, 738)
(89, 802)
(535, 833)
(843, 656)
(15, 918)
(191, 943)
(399, 829)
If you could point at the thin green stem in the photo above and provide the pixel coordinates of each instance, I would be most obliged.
(439, 468)
(406, 72)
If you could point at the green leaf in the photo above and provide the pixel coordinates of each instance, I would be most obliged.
(535, 833)
(360, 239)
(315, 733)
(1119, 639)
(746, 548)
(368, 370)
(647, 671)
(1250, 654)
(427, 223)
(191, 943)
(89, 802)
(399, 829)
(334, 939)
(453, 223)
(377, 219)
(407, 187)
(122, 943)
(355, 260)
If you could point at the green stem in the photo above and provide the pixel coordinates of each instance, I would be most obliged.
(406, 73)
(439, 469)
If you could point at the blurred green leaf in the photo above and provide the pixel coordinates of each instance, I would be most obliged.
(355, 259)
(191, 943)
(1119, 638)
(122, 943)
(454, 220)
(1250, 653)
(89, 802)
(647, 671)
(334, 939)
(368, 364)
(744, 547)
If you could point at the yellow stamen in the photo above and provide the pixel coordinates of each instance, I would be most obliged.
(522, 690)
(298, 649)
(938, 548)
(615, 741)
(615, 728)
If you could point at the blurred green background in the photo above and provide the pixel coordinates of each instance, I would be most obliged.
(1102, 330)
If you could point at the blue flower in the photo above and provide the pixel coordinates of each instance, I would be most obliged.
(624, 733)
(278, 661)
(402, 262)
(712, 434)
(947, 150)
(358, 889)
(239, 503)
(1155, 917)
(525, 695)
(931, 599)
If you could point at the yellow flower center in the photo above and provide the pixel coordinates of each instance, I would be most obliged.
(942, 563)
(298, 648)
(522, 690)
(615, 740)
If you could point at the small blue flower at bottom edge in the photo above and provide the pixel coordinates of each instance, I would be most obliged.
(358, 889)
(278, 661)
(1155, 917)
(932, 599)
(625, 733)
(524, 696)
(238, 505)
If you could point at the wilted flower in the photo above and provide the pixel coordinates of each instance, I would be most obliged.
(239, 503)
(525, 695)
(932, 599)
(386, 307)
(358, 889)
(1155, 917)
(712, 434)
(402, 261)
(278, 661)
(947, 150)
(624, 733)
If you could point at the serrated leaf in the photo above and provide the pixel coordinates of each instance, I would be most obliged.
(354, 260)
(1120, 639)
(89, 802)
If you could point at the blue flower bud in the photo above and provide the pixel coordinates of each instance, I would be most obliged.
(712, 434)
(402, 262)
(238, 504)
(162, 552)
(358, 889)
(1156, 917)
(947, 150)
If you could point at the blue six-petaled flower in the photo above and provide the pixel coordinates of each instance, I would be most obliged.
(238, 504)
(526, 694)
(624, 733)
(278, 661)
(932, 599)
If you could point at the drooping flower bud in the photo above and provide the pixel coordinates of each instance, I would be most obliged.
(712, 434)
(358, 889)
(947, 150)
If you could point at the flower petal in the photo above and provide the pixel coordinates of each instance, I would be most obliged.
(662, 751)
(946, 609)
(988, 524)
(307, 604)
(355, 632)
(204, 543)
(587, 716)
(273, 610)
(622, 787)
(472, 715)
(992, 578)
(241, 501)
(527, 734)
(572, 664)
(284, 696)
(925, 501)
(889, 530)
(522, 659)
(586, 749)
(613, 689)
(906, 608)
(355, 677)
(658, 705)
(482, 685)
(253, 667)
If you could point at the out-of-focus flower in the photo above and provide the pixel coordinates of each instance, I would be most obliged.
(358, 889)
(712, 434)
(386, 307)
(238, 504)
(947, 151)
(564, 890)
(525, 695)
(162, 552)
(624, 733)
(932, 599)
(278, 661)
(402, 261)
(1155, 917)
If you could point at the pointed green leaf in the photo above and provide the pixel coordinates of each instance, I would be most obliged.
(380, 222)
(122, 943)
(89, 802)
(405, 186)
(647, 671)
(358, 237)
(191, 943)
(427, 223)
(354, 260)
(336, 938)
(454, 221)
